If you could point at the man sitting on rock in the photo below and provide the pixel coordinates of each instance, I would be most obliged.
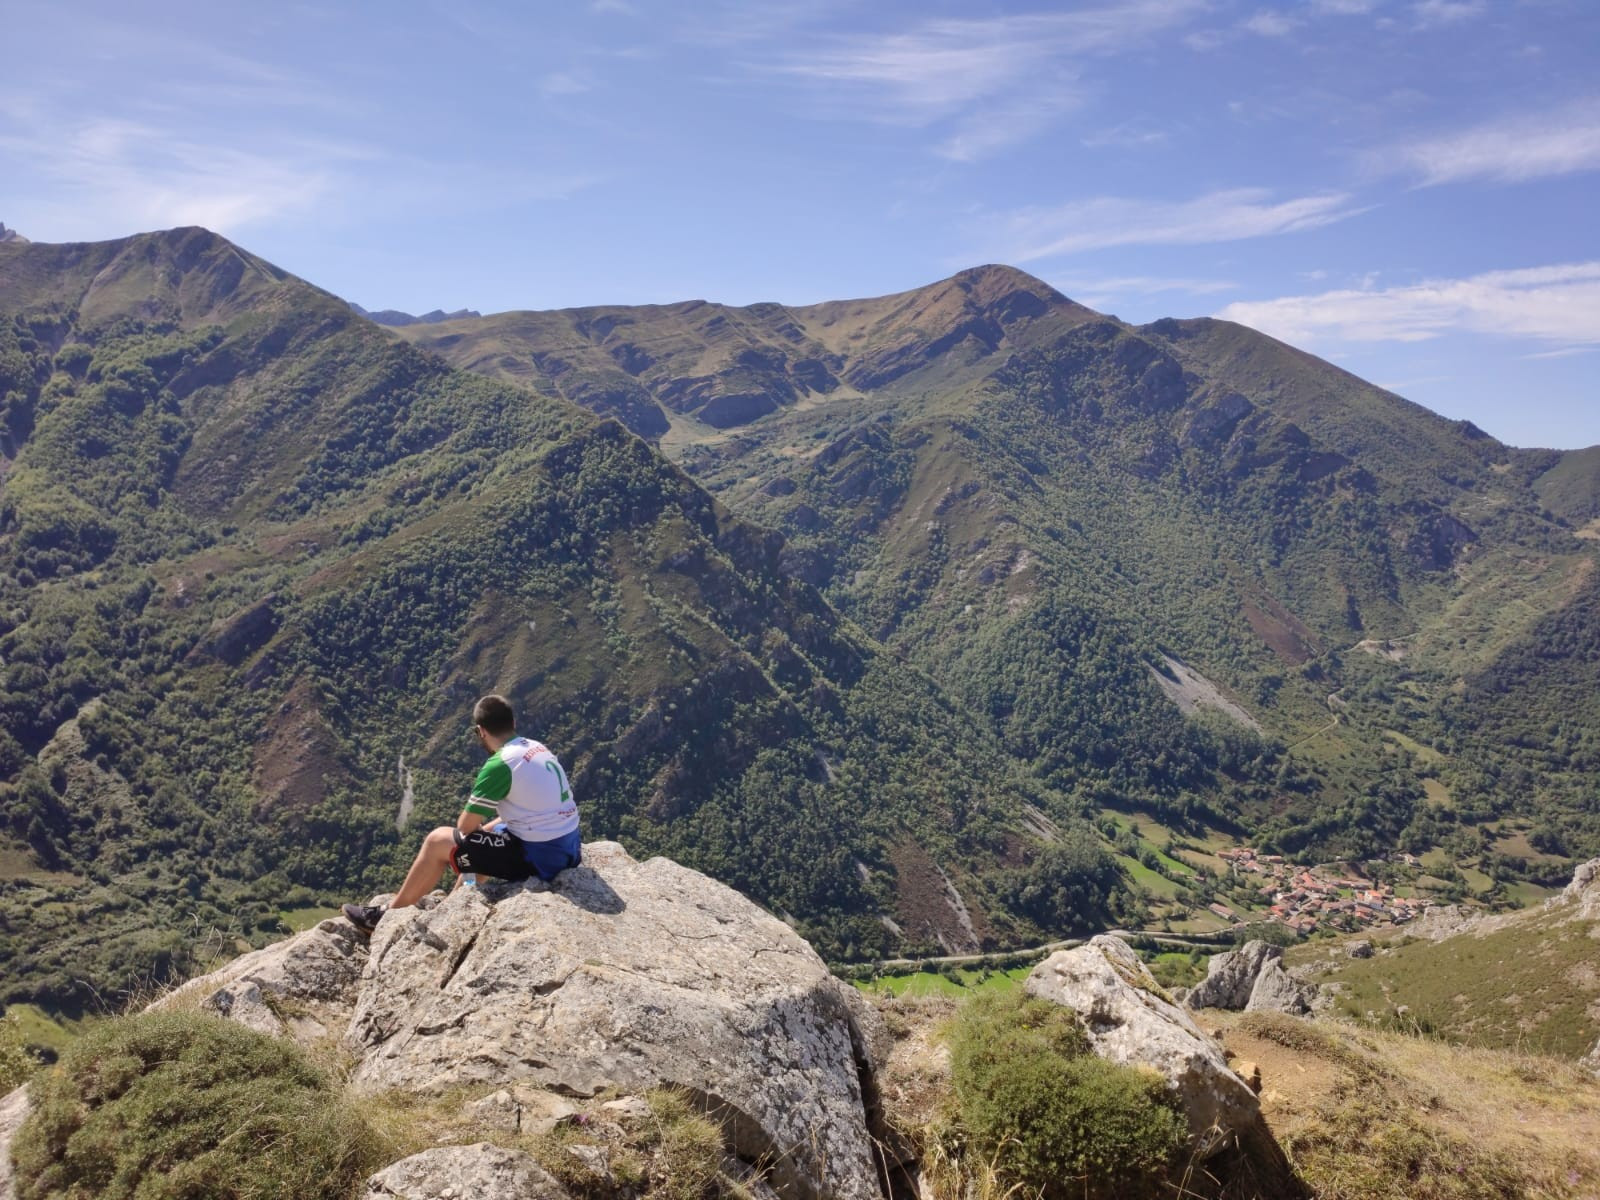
(520, 820)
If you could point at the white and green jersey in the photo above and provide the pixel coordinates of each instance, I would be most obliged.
(523, 785)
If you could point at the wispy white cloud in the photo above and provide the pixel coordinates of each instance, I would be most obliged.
(1558, 303)
(1105, 293)
(136, 176)
(998, 80)
(1128, 135)
(1143, 285)
(1203, 41)
(566, 83)
(1225, 216)
(1276, 22)
(1512, 150)
(1270, 23)
(1564, 352)
(994, 126)
(1431, 14)
(110, 175)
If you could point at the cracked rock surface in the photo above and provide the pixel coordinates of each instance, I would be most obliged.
(1252, 978)
(315, 972)
(480, 1172)
(628, 975)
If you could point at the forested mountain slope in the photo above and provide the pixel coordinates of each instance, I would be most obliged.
(975, 555)
(258, 560)
(1035, 502)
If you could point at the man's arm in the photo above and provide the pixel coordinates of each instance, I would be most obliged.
(483, 806)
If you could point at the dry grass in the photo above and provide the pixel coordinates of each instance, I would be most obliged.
(1371, 1115)
(1522, 982)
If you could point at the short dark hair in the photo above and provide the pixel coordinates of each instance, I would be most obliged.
(495, 715)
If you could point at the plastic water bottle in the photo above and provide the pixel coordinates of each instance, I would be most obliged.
(469, 880)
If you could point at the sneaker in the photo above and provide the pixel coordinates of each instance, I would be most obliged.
(364, 917)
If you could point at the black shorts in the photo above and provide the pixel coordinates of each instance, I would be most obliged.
(483, 853)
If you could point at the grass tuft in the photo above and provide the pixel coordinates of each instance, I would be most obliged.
(1367, 1149)
(186, 1105)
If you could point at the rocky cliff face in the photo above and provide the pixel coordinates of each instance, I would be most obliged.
(1584, 889)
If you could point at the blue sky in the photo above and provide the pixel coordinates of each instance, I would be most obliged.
(1406, 187)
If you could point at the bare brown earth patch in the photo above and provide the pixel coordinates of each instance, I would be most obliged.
(1280, 629)
(297, 756)
(924, 907)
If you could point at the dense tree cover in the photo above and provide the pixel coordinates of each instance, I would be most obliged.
(1098, 505)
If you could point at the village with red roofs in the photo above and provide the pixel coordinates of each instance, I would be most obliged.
(1310, 898)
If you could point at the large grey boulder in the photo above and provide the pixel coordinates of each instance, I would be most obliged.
(477, 1172)
(1231, 977)
(1277, 991)
(316, 971)
(1131, 1020)
(1251, 978)
(628, 975)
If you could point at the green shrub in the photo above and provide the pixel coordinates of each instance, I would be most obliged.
(1049, 1115)
(182, 1106)
(16, 1064)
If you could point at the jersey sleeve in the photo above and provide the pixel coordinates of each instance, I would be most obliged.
(492, 786)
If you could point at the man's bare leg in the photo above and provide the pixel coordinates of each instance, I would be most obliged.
(433, 858)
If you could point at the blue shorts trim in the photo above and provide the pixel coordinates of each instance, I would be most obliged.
(549, 859)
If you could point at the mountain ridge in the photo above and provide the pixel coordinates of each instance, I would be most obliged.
(1307, 511)
(251, 563)
(883, 591)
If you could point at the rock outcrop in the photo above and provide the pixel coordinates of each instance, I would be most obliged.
(629, 975)
(313, 977)
(1251, 978)
(478, 1172)
(13, 1112)
(1131, 1020)
(620, 974)
(1585, 889)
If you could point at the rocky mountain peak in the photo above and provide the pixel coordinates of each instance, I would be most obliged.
(994, 282)
(9, 235)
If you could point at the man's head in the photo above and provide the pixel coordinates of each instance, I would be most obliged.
(493, 715)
